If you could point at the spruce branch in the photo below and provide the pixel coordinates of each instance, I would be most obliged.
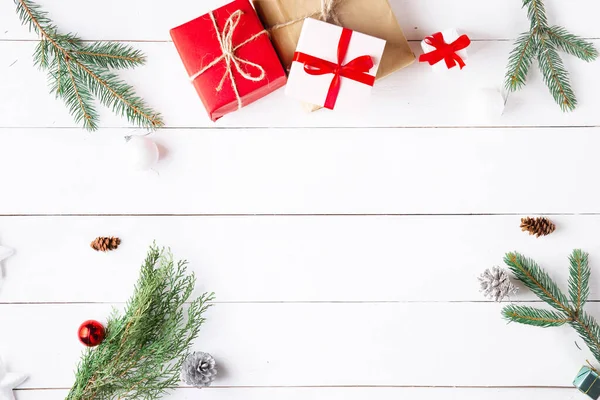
(538, 281)
(588, 329)
(572, 44)
(79, 73)
(145, 346)
(528, 272)
(542, 42)
(555, 75)
(520, 61)
(536, 12)
(533, 316)
(579, 278)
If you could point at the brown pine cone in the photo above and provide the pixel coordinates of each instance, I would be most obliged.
(539, 226)
(105, 243)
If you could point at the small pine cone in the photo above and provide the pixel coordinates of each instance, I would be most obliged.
(199, 369)
(105, 243)
(496, 284)
(540, 226)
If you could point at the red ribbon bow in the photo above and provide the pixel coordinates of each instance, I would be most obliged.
(357, 69)
(445, 51)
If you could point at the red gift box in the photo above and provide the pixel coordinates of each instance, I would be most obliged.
(229, 58)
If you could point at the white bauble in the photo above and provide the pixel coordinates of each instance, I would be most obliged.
(141, 153)
(487, 104)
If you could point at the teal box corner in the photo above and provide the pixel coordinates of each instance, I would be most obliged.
(588, 382)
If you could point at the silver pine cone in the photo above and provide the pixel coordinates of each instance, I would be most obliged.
(199, 369)
(496, 284)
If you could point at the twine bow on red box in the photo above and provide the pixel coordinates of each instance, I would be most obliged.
(229, 56)
(357, 69)
(445, 51)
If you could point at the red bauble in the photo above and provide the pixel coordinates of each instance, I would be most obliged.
(91, 333)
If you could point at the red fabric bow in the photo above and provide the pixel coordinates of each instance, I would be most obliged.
(357, 69)
(445, 51)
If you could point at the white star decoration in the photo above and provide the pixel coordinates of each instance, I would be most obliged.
(5, 252)
(9, 381)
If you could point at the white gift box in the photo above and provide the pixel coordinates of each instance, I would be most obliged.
(450, 35)
(321, 40)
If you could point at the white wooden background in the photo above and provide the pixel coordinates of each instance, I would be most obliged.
(343, 249)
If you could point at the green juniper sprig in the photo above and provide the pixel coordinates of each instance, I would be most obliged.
(145, 346)
(79, 72)
(568, 310)
(542, 42)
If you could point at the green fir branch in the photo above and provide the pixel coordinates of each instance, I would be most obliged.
(538, 281)
(579, 278)
(520, 61)
(572, 44)
(556, 76)
(542, 42)
(111, 55)
(79, 72)
(536, 12)
(79, 100)
(528, 272)
(534, 316)
(146, 345)
(588, 329)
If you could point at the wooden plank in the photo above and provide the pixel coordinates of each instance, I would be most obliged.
(496, 19)
(435, 344)
(413, 97)
(285, 259)
(358, 171)
(340, 394)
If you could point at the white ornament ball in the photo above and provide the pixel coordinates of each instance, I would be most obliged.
(141, 153)
(487, 104)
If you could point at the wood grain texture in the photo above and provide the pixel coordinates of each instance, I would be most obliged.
(413, 97)
(344, 249)
(286, 259)
(320, 171)
(326, 345)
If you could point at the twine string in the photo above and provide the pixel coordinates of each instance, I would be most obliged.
(327, 13)
(594, 382)
(228, 55)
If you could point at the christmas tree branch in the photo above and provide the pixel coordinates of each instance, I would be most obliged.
(146, 346)
(579, 277)
(572, 44)
(587, 327)
(556, 76)
(528, 272)
(520, 61)
(88, 71)
(542, 42)
(536, 317)
(536, 12)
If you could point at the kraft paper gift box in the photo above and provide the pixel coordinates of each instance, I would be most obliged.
(448, 38)
(334, 67)
(228, 80)
(371, 17)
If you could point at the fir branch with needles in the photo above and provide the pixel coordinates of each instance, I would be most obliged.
(80, 72)
(145, 346)
(542, 43)
(568, 310)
